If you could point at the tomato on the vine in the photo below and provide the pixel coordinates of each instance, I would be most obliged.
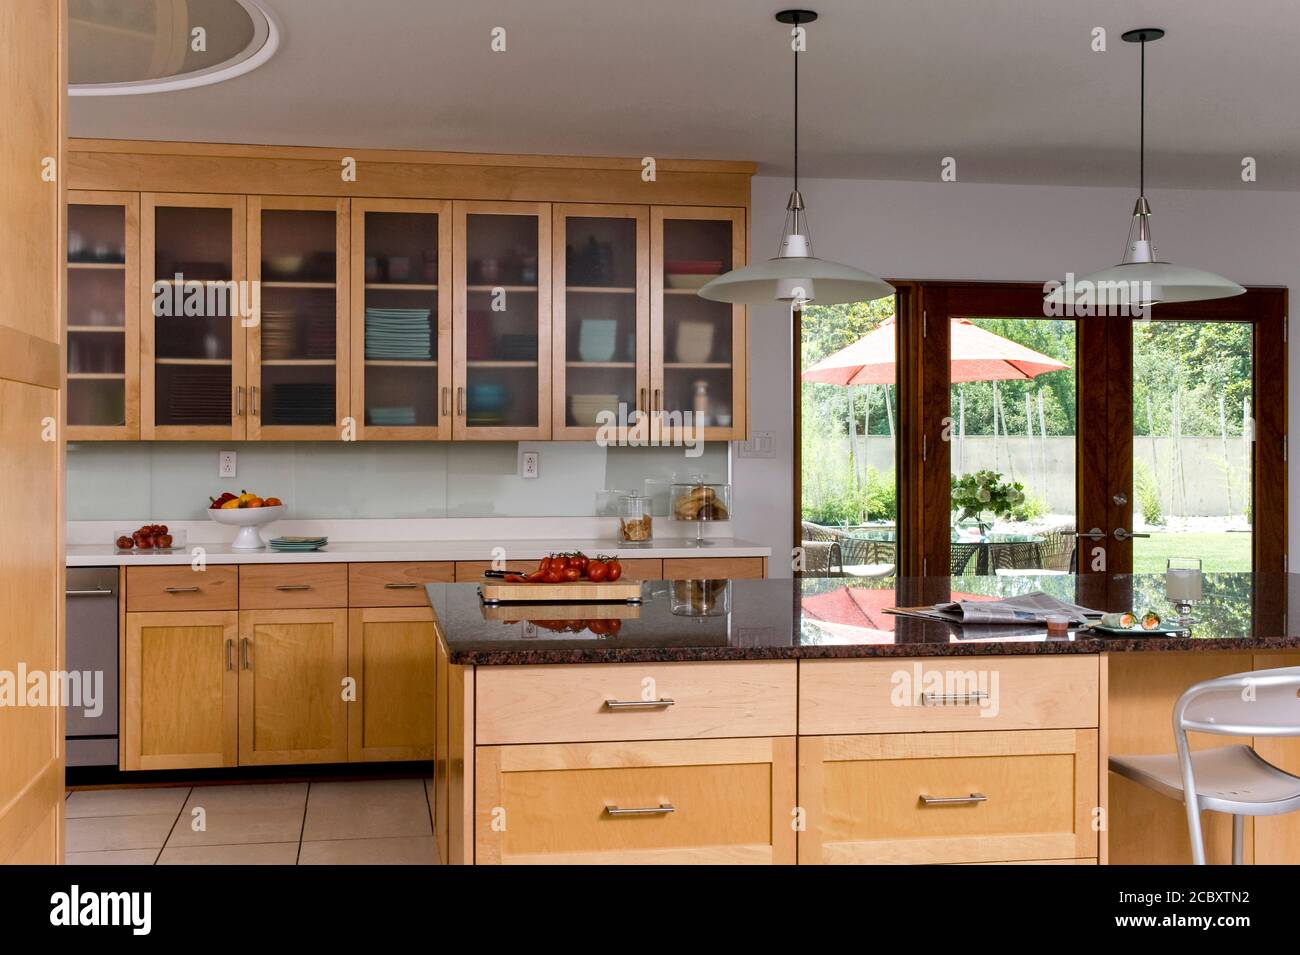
(597, 570)
(615, 570)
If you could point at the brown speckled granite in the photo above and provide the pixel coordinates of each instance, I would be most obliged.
(819, 618)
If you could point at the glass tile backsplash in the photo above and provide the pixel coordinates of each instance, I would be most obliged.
(338, 480)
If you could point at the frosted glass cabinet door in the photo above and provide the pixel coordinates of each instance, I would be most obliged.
(502, 320)
(298, 345)
(103, 316)
(698, 347)
(601, 317)
(401, 319)
(196, 304)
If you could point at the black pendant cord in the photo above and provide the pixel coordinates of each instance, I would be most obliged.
(796, 108)
(1142, 123)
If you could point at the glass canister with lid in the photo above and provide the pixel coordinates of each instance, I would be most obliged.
(635, 523)
(700, 501)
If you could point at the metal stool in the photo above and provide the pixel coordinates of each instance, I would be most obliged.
(1231, 779)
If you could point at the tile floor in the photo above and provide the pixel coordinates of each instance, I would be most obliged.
(385, 822)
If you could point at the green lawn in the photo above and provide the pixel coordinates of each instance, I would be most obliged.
(1218, 552)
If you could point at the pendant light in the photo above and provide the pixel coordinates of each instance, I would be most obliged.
(796, 276)
(1141, 280)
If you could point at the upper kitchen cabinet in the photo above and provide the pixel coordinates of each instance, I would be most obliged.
(401, 319)
(195, 306)
(501, 320)
(601, 316)
(698, 347)
(103, 316)
(298, 341)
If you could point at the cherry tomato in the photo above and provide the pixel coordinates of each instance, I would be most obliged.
(572, 573)
(598, 627)
(580, 561)
(554, 576)
(536, 577)
(544, 565)
(597, 570)
(615, 570)
(560, 562)
(514, 578)
(612, 627)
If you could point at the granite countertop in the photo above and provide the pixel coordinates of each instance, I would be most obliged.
(342, 552)
(816, 618)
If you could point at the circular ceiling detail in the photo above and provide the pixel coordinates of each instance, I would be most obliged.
(124, 47)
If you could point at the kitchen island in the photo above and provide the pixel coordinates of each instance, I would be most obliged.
(776, 721)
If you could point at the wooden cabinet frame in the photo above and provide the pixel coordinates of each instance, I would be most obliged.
(358, 618)
(560, 429)
(150, 202)
(443, 349)
(461, 430)
(255, 430)
(130, 429)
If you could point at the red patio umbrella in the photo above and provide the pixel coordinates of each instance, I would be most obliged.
(977, 355)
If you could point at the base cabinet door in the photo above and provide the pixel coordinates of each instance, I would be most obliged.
(948, 797)
(292, 666)
(392, 658)
(179, 690)
(666, 801)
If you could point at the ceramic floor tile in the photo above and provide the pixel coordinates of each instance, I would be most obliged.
(395, 851)
(112, 857)
(238, 815)
(263, 853)
(367, 810)
(97, 833)
(125, 802)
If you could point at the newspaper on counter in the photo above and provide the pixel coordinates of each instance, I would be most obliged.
(1027, 608)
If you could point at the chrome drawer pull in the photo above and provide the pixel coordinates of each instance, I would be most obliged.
(230, 660)
(181, 590)
(662, 809)
(954, 800)
(395, 586)
(954, 699)
(243, 646)
(88, 593)
(293, 587)
(638, 704)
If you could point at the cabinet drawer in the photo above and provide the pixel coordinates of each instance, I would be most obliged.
(263, 587)
(713, 568)
(563, 703)
(948, 797)
(692, 801)
(182, 588)
(395, 585)
(973, 693)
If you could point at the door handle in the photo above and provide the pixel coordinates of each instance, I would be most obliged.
(639, 704)
(446, 401)
(239, 401)
(230, 657)
(662, 809)
(659, 401)
(954, 800)
(1096, 534)
(243, 647)
(252, 401)
(1121, 534)
(460, 401)
(641, 405)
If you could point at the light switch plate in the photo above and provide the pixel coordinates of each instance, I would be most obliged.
(761, 444)
(226, 461)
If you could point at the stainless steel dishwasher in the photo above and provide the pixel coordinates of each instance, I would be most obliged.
(91, 598)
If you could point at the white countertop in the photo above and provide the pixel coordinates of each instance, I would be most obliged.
(349, 551)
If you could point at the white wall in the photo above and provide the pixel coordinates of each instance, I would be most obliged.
(914, 230)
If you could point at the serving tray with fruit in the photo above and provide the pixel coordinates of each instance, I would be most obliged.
(562, 578)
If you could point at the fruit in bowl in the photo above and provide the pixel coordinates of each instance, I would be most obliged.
(246, 511)
(148, 537)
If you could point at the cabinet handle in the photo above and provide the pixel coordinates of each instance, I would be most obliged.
(243, 647)
(659, 401)
(88, 593)
(230, 654)
(181, 590)
(953, 800)
(639, 704)
(641, 405)
(954, 699)
(393, 586)
(252, 401)
(293, 587)
(662, 809)
(239, 401)
(460, 401)
(446, 401)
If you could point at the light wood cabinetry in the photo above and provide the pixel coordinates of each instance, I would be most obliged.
(675, 801)
(179, 690)
(292, 665)
(181, 587)
(714, 568)
(948, 797)
(396, 584)
(281, 586)
(391, 657)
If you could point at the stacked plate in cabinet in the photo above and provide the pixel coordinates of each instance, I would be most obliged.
(398, 334)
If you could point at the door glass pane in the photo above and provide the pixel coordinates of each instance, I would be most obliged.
(697, 332)
(193, 302)
(96, 315)
(298, 326)
(401, 276)
(1013, 411)
(1192, 444)
(849, 423)
(501, 321)
(600, 317)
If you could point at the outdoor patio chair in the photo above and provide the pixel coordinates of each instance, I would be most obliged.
(1016, 557)
(867, 558)
(1058, 548)
(962, 559)
(822, 559)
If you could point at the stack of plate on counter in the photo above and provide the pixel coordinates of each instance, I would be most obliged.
(398, 334)
(297, 544)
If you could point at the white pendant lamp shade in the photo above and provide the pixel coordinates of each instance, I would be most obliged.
(796, 276)
(1140, 280)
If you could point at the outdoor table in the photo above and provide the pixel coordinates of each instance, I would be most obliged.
(984, 543)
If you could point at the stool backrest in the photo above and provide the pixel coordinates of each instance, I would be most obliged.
(1258, 703)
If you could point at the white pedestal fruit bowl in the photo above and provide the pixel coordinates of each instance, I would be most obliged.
(248, 520)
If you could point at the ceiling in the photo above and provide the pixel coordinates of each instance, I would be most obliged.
(889, 87)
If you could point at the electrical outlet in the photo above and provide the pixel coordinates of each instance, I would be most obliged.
(226, 464)
(761, 444)
(530, 464)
